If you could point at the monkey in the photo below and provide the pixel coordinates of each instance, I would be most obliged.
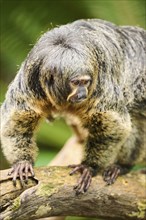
(93, 73)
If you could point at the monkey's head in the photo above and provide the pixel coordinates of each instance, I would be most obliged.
(69, 85)
(68, 67)
(69, 77)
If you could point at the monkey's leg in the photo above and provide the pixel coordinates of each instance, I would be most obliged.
(132, 151)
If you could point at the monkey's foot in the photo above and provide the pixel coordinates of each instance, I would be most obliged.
(111, 173)
(85, 179)
(21, 169)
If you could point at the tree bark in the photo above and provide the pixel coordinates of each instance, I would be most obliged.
(71, 153)
(51, 193)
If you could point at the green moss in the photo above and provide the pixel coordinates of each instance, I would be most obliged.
(7, 218)
(46, 189)
(16, 204)
(142, 209)
(141, 213)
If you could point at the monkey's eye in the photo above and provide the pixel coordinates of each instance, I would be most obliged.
(85, 82)
(80, 82)
(75, 82)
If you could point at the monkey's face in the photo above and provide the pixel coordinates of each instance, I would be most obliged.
(69, 89)
(79, 89)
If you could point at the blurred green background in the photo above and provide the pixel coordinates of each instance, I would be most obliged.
(22, 22)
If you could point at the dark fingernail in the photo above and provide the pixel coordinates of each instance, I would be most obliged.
(26, 181)
(14, 183)
(22, 184)
(77, 193)
(75, 187)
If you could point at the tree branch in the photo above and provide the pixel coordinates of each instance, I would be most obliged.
(51, 193)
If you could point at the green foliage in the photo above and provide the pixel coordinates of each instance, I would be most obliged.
(44, 157)
(54, 134)
(23, 21)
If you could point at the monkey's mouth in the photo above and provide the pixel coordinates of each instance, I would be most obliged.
(77, 99)
(77, 96)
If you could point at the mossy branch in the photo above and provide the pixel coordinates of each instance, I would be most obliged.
(51, 193)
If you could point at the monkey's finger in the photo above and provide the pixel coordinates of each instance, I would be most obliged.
(85, 180)
(88, 183)
(82, 181)
(77, 188)
(26, 173)
(83, 177)
(75, 170)
(106, 173)
(106, 178)
(31, 170)
(73, 165)
(21, 172)
(79, 183)
(11, 171)
(15, 174)
(114, 175)
(21, 179)
(111, 173)
(81, 188)
(80, 168)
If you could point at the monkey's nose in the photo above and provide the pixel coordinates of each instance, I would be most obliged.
(78, 96)
(81, 96)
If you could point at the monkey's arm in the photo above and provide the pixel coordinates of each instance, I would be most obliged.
(107, 132)
(18, 122)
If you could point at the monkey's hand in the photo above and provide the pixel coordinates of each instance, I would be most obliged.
(111, 173)
(21, 169)
(85, 179)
